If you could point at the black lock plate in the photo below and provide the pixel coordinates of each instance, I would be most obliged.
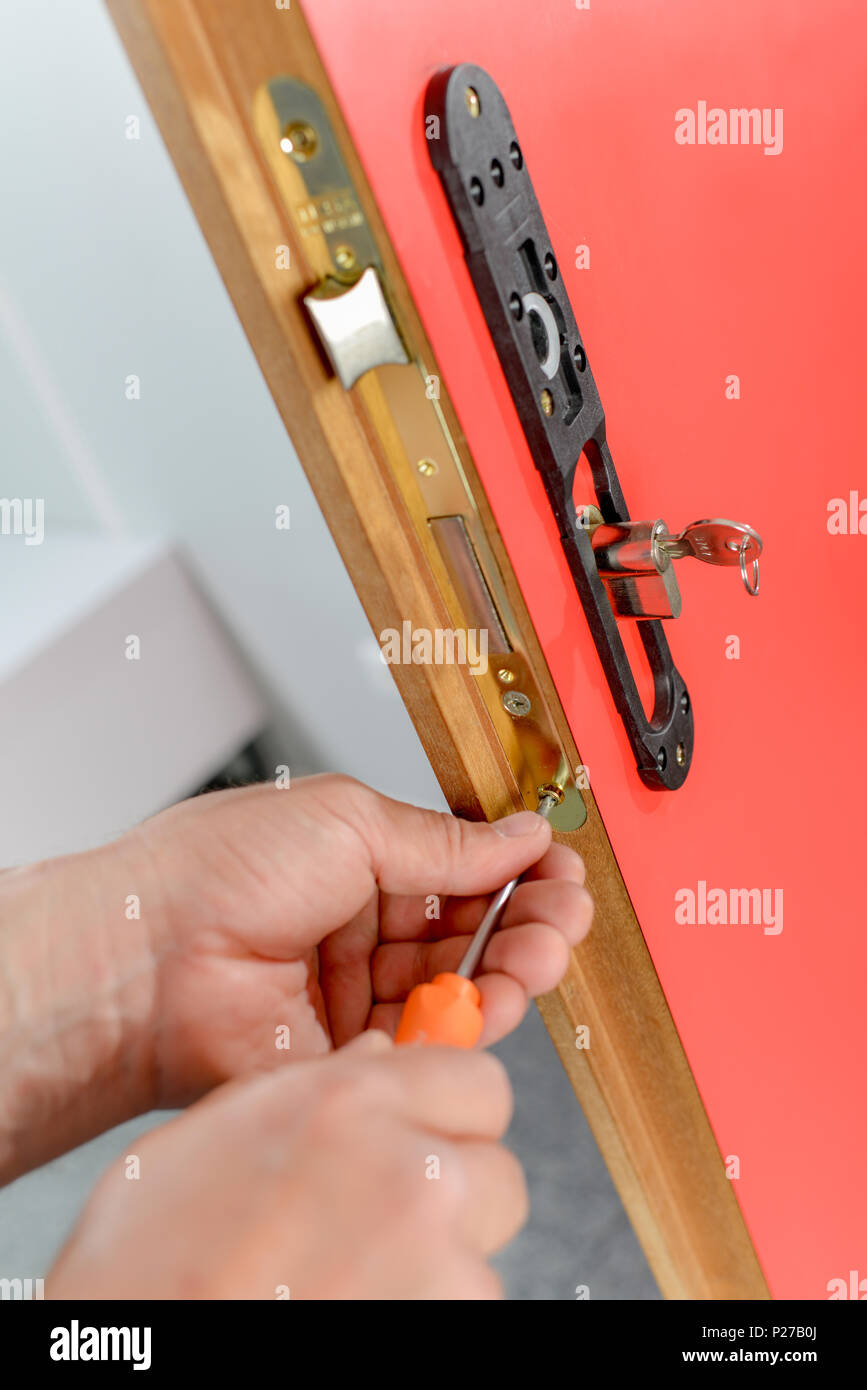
(476, 152)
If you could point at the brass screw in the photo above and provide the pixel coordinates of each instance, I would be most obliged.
(474, 106)
(300, 140)
(517, 703)
(680, 755)
(547, 401)
(426, 467)
(551, 789)
(505, 675)
(345, 258)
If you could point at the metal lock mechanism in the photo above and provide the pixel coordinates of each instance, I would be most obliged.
(622, 568)
(348, 302)
(634, 559)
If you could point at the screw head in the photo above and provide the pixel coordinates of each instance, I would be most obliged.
(474, 106)
(300, 140)
(547, 402)
(517, 703)
(345, 258)
(506, 676)
(588, 516)
(680, 755)
(426, 467)
(551, 789)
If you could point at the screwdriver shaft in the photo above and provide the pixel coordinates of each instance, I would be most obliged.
(484, 930)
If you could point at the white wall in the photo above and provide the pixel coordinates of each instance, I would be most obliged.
(104, 273)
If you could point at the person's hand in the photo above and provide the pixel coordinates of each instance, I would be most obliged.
(372, 1174)
(245, 930)
(286, 922)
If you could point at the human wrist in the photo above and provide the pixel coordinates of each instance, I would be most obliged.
(77, 953)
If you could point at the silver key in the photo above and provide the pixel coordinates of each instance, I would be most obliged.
(719, 542)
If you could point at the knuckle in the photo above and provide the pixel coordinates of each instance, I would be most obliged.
(475, 1280)
(581, 904)
(567, 863)
(454, 834)
(422, 1200)
(345, 1102)
(488, 1284)
(338, 785)
(514, 1181)
(579, 863)
(587, 906)
(562, 903)
(492, 1082)
(448, 1192)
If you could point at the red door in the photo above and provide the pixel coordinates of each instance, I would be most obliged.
(719, 289)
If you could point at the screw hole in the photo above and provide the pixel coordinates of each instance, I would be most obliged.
(477, 193)
(580, 357)
(661, 759)
(550, 267)
(515, 155)
(684, 702)
(516, 306)
(497, 172)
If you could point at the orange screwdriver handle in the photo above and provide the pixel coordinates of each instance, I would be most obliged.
(447, 1011)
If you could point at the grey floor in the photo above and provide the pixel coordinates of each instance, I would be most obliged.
(578, 1233)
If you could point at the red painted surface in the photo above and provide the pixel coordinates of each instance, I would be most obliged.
(704, 261)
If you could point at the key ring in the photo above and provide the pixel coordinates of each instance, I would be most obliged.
(751, 586)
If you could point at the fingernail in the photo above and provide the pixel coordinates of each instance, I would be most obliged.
(372, 1040)
(524, 823)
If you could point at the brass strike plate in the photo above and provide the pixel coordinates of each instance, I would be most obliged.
(372, 355)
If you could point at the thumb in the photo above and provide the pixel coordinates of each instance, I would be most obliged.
(411, 850)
